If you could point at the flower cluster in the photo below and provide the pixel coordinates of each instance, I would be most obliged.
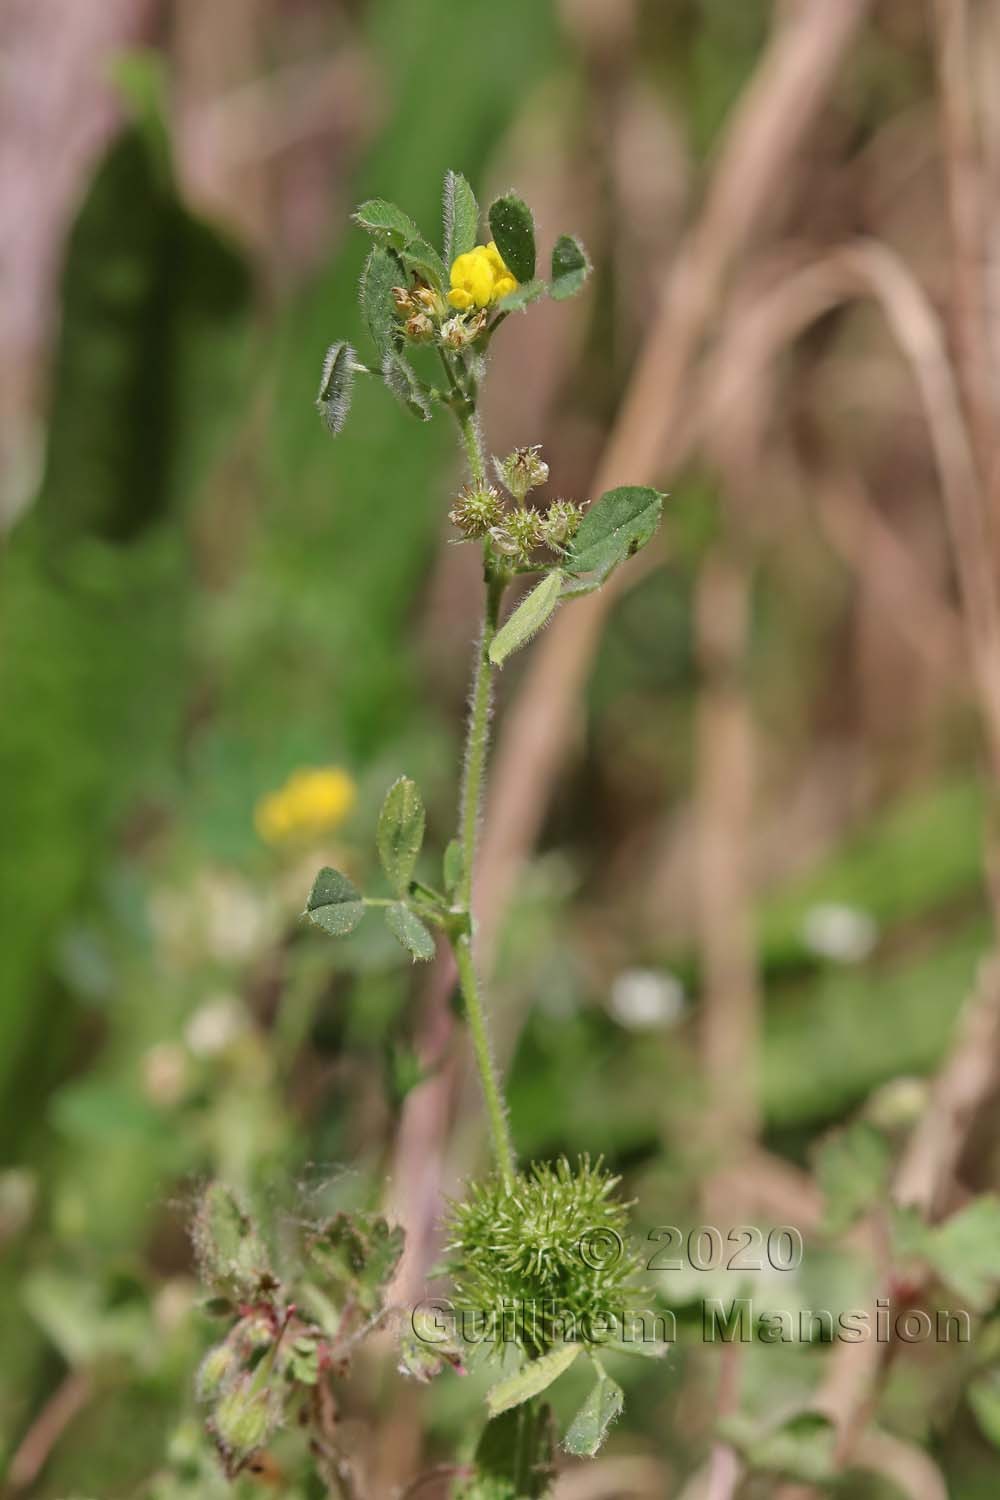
(312, 801)
(517, 533)
(553, 1242)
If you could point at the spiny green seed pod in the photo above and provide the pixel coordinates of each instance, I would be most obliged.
(551, 1248)
(476, 510)
(522, 470)
(519, 535)
(218, 1367)
(560, 523)
(244, 1419)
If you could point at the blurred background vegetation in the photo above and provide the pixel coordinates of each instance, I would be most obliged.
(769, 797)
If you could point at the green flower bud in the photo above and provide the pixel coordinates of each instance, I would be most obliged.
(215, 1371)
(522, 470)
(245, 1419)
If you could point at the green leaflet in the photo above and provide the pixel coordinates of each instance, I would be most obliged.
(589, 1427)
(529, 616)
(334, 399)
(423, 259)
(401, 379)
(386, 223)
(965, 1252)
(530, 1380)
(852, 1168)
(513, 229)
(381, 273)
(400, 832)
(526, 293)
(408, 929)
(621, 522)
(461, 217)
(570, 267)
(334, 903)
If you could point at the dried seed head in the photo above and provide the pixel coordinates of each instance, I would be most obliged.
(522, 470)
(404, 301)
(458, 332)
(477, 509)
(425, 297)
(419, 328)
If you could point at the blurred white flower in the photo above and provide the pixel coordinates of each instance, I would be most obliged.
(642, 998)
(213, 1026)
(845, 934)
(164, 1073)
(235, 916)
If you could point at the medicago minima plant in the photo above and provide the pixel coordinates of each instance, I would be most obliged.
(545, 1237)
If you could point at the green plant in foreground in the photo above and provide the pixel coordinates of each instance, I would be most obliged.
(520, 1235)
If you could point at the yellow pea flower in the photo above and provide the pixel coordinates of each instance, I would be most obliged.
(312, 801)
(479, 278)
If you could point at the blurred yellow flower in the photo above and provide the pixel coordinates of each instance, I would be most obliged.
(479, 278)
(312, 801)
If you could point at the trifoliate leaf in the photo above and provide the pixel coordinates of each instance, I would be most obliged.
(381, 273)
(334, 399)
(461, 217)
(386, 223)
(400, 832)
(424, 260)
(529, 616)
(513, 229)
(621, 522)
(530, 1380)
(334, 903)
(402, 381)
(522, 296)
(570, 267)
(589, 1427)
(408, 929)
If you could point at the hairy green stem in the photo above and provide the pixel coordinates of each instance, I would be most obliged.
(496, 1111)
(473, 446)
(476, 744)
